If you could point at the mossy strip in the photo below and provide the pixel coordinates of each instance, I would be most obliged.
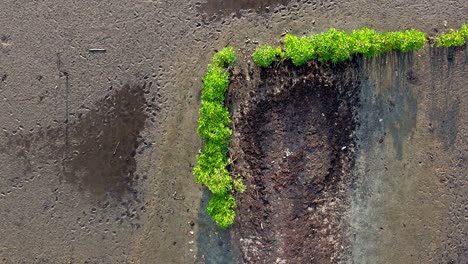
(213, 128)
(337, 46)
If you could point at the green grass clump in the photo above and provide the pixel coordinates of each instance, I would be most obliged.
(366, 41)
(404, 41)
(265, 55)
(333, 45)
(213, 128)
(299, 50)
(225, 57)
(221, 208)
(454, 38)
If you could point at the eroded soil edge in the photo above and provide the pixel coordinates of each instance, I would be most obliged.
(293, 143)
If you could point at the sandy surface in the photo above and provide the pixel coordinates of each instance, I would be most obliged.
(58, 206)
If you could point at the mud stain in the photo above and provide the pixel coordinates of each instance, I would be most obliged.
(96, 151)
(389, 106)
(227, 7)
(214, 245)
(294, 147)
(445, 106)
(104, 142)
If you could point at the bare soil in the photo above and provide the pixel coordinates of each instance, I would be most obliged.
(293, 143)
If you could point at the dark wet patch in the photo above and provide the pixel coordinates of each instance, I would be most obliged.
(96, 152)
(227, 7)
(214, 244)
(103, 142)
(445, 106)
(388, 103)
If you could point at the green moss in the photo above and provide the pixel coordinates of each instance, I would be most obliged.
(404, 41)
(366, 41)
(337, 46)
(299, 50)
(221, 209)
(225, 57)
(453, 38)
(464, 30)
(213, 125)
(215, 83)
(333, 45)
(213, 128)
(265, 55)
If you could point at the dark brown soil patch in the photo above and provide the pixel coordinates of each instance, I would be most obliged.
(293, 143)
(96, 150)
(104, 142)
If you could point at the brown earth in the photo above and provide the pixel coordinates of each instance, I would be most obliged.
(294, 144)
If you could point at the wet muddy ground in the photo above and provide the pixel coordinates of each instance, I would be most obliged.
(65, 197)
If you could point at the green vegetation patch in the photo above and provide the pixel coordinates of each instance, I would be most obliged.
(337, 46)
(265, 55)
(454, 38)
(299, 49)
(213, 128)
(221, 208)
(225, 57)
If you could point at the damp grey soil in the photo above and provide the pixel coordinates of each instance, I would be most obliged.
(214, 244)
(410, 184)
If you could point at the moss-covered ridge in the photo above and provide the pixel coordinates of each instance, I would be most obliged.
(213, 128)
(337, 46)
